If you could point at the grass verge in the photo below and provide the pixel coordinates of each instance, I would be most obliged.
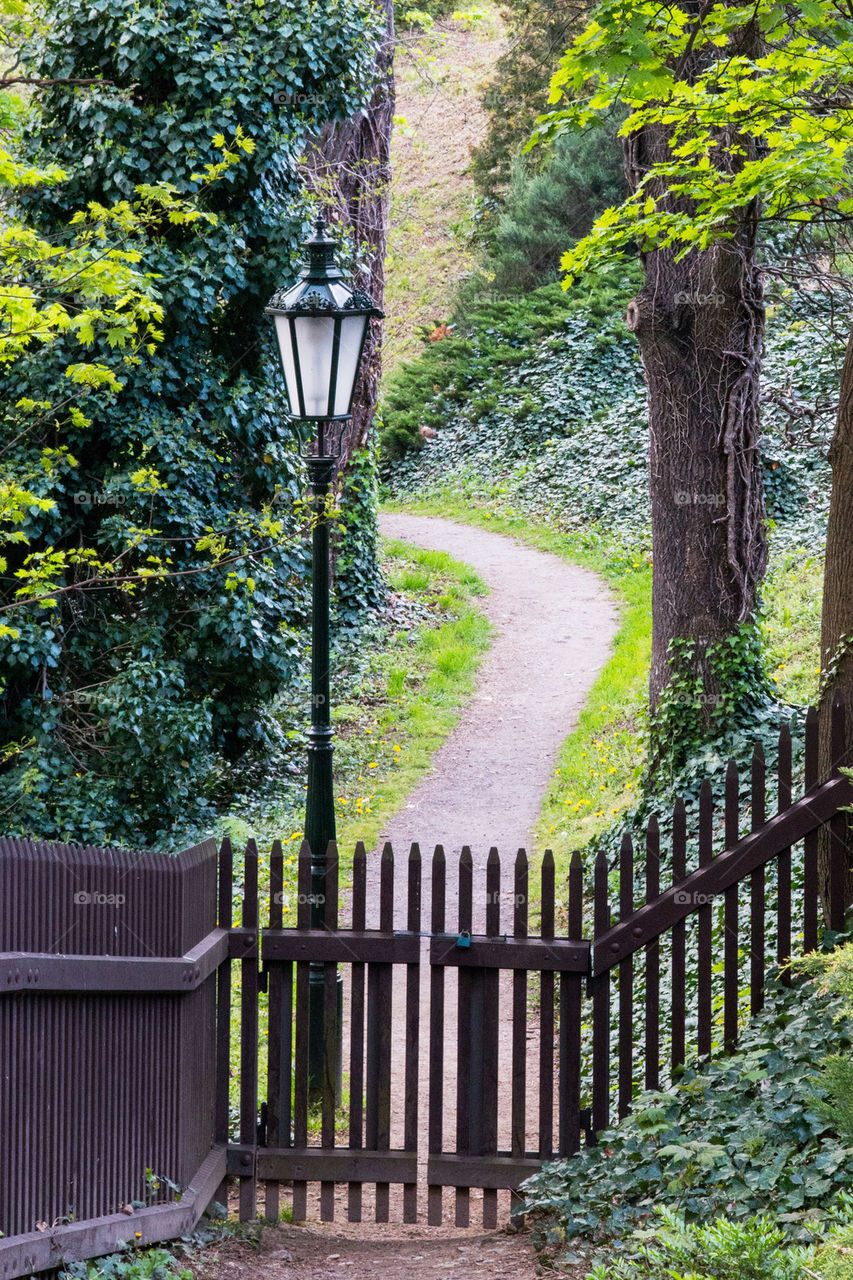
(606, 746)
(793, 592)
(422, 680)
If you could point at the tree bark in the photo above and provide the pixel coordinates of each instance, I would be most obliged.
(836, 636)
(349, 166)
(700, 327)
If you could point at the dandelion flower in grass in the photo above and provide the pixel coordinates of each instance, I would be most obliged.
(373, 765)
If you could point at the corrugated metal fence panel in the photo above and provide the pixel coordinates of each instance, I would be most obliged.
(95, 1089)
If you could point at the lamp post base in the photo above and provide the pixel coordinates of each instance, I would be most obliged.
(323, 1067)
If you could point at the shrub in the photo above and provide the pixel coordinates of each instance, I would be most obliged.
(192, 463)
(740, 1136)
(724, 1249)
(549, 205)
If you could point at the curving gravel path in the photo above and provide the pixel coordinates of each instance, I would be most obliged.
(554, 625)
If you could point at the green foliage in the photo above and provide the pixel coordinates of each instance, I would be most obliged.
(407, 13)
(492, 368)
(711, 692)
(723, 1249)
(833, 1259)
(545, 208)
(124, 714)
(754, 1248)
(739, 1136)
(834, 972)
(145, 1264)
(783, 109)
(358, 580)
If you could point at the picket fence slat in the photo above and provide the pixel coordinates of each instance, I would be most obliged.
(518, 1140)
(600, 990)
(757, 912)
(783, 861)
(704, 927)
(731, 949)
(436, 1037)
(678, 1000)
(413, 1023)
(463, 1023)
(249, 1031)
(652, 1030)
(626, 982)
(810, 869)
(546, 1016)
(357, 1013)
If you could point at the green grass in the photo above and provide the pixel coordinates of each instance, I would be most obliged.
(399, 707)
(421, 686)
(792, 602)
(605, 748)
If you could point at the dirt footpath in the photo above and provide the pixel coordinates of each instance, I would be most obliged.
(370, 1252)
(554, 625)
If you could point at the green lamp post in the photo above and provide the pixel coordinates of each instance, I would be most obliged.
(321, 324)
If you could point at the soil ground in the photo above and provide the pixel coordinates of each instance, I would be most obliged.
(324, 1252)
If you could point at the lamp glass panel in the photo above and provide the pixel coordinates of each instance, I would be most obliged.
(314, 335)
(282, 330)
(352, 332)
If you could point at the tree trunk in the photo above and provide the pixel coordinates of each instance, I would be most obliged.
(699, 324)
(836, 637)
(700, 327)
(349, 166)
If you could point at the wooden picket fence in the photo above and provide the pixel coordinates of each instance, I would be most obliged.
(598, 1032)
(478, 1041)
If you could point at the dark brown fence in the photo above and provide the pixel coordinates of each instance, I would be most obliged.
(662, 957)
(475, 1046)
(107, 1025)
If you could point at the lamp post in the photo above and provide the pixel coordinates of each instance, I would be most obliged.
(321, 325)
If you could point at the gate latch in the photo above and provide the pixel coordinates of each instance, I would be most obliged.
(464, 939)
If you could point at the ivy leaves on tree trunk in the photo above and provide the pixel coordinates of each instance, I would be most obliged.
(349, 166)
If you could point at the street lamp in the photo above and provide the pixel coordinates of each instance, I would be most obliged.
(321, 324)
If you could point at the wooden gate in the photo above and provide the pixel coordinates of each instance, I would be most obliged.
(475, 1050)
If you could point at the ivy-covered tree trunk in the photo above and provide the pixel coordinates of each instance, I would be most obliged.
(700, 325)
(350, 166)
(836, 639)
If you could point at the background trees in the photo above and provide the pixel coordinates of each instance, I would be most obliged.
(738, 113)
